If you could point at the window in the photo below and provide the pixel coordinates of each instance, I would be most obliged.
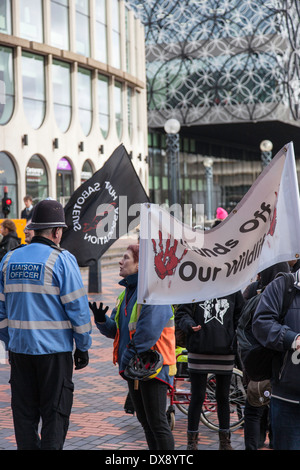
(33, 88)
(31, 20)
(129, 110)
(8, 178)
(101, 31)
(127, 31)
(86, 172)
(5, 16)
(7, 93)
(118, 108)
(138, 114)
(62, 94)
(116, 35)
(103, 104)
(85, 99)
(64, 181)
(82, 27)
(60, 24)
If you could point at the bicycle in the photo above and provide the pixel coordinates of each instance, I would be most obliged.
(180, 396)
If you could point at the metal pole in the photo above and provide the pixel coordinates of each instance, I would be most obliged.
(266, 147)
(172, 142)
(266, 157)
(209, 180)
(95, 280)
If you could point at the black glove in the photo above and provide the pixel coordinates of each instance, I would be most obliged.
(99, 312)
(81, 359)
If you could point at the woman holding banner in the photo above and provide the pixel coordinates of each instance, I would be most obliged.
(210, 330)
(137, 331)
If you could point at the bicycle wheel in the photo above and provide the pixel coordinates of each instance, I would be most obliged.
(237, 398)
(171, 417)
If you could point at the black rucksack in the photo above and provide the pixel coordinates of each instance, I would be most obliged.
(245, 337)
(257, 359)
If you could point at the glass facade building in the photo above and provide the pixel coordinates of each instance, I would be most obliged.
(72, 89)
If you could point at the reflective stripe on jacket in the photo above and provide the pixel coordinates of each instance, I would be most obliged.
(43, 303)
(166, 342)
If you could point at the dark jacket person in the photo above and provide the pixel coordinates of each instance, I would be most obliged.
(10, 238)
(271, 333)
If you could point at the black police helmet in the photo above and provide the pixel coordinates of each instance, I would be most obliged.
(47, 214)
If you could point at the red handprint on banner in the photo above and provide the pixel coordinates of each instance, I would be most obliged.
(166, 261)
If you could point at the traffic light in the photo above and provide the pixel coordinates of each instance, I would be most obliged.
(6, 203)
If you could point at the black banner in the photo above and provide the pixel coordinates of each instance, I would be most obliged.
(103, 208)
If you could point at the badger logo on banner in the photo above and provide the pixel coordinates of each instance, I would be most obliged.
(179, 264)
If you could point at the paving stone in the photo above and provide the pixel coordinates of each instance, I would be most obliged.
(98, 420)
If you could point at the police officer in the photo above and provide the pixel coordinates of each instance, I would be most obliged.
(43, 311)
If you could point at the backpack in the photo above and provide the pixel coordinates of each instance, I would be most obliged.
(257, 359)
(259, 393)
(244, 334)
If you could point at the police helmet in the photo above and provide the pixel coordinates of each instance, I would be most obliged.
(47, 214)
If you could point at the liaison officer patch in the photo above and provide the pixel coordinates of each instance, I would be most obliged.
(22, 271)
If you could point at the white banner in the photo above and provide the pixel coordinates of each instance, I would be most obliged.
(181, 265)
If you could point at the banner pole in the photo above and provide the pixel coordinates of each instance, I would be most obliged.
(95, 278)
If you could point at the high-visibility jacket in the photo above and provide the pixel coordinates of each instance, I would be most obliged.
(166, 342)
(43, 304)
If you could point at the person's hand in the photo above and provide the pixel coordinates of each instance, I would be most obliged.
(81, 359)
(196, 328)
(297, 343)
(99, 312)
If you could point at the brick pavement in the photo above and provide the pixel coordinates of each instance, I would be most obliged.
(98, 420)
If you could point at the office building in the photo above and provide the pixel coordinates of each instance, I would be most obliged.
(72, 88)
(228, 72)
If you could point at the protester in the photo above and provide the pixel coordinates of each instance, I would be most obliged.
(221, 215)
(256, 419)
(210, 328)
(43, 312)
(134, 329)
(294, 265)
(253, 288)
(10, 238)
(27, 211)
(284, 404)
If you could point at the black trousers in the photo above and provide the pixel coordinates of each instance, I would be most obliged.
(256, 425)
(198, 389)
(150, 403)
(41, 390)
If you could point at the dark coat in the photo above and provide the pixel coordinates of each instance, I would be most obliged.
(272, 334)
(9, 241)
(26, 214)
(218, 319)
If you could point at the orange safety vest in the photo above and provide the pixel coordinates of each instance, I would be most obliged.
(165, 344)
